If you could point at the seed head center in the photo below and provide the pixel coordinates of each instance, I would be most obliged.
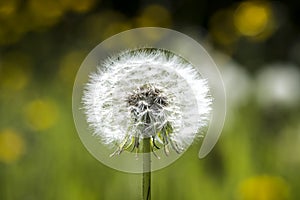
(147, 101)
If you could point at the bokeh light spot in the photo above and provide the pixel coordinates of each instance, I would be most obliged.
(233, 73)
(45, 13)
(79, 6)
(12, 146)
(222, 29)
(252, 18)
(7, 7)
(154, 15)
(264, 188)
(41, 114)
(278, 84)
(14, 79)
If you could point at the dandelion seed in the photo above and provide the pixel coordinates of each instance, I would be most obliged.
(146, 93)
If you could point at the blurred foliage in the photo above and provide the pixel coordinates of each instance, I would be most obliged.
(256, 45)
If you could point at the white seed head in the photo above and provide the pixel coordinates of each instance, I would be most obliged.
(145, 93)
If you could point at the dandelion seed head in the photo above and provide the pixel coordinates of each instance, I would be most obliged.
(143, 93)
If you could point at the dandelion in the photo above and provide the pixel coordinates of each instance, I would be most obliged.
(146, 93)
(146, 99)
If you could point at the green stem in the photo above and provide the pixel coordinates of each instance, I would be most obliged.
(146, 169)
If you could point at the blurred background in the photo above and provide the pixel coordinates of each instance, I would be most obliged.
(256, 45)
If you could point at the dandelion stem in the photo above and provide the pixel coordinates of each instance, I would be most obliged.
(146, 169)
